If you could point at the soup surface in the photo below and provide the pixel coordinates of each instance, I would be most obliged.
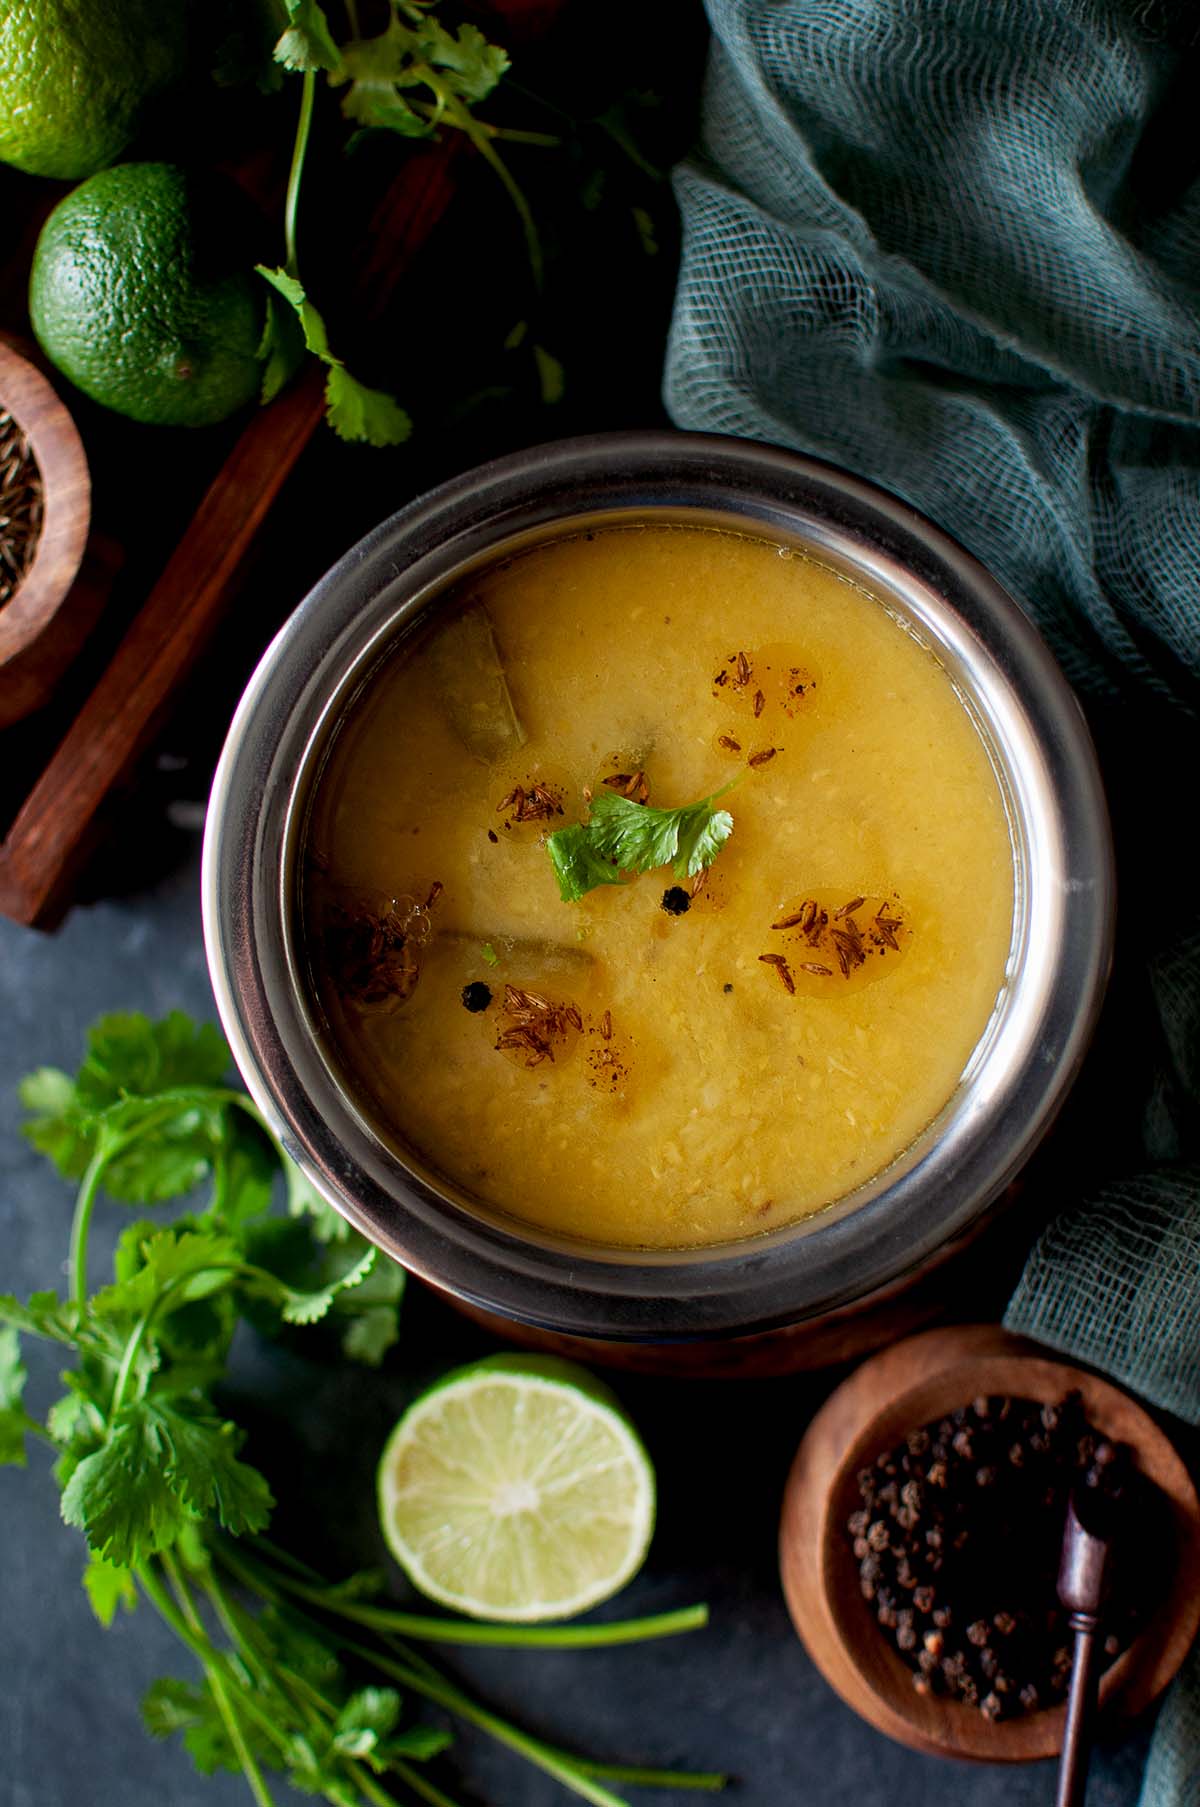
(668, 1060)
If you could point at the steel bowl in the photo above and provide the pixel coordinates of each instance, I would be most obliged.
(1062, 921)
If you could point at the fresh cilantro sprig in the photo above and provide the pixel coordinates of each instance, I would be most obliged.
(621, 836)
(298, 1675)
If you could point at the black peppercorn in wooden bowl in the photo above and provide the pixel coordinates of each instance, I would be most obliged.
(915, 1384)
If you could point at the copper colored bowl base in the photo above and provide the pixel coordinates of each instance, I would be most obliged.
(968, 1279)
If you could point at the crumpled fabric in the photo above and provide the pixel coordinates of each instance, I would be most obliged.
(954, 246)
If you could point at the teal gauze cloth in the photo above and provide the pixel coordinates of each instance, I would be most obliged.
(954, 245)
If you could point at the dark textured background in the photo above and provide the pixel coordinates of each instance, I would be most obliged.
(741, 1696)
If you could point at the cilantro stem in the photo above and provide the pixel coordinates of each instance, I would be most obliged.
(428, 1629)
(142, 1327)
(199, 1646)
(514, 135)
(85, 1200)
(701, 1781)
(137, 1338)
(563, 1768)
(304, 1582)
(108, 1148)
(422, 1678)
(245, 1268)
(185, 1621)
(236, 1626)
(462, 117)
(291, 206)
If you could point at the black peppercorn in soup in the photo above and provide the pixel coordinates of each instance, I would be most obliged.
(660, 892)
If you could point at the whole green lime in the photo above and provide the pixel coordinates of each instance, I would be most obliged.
(142, 294)
(75, 75)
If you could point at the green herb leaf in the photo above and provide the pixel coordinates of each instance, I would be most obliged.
(578, 866)
(281, 348)
(295, 1283)
(163, 1159)
(422, 56)
(14, 1419)
(466, 54)
(371, 1310)
(308, 42)
(130, 1056)
(159, 1468)
(489, 954)
(55, 1127)
(117, 1098)
(303, 1200)
(310, 1307)
(367, 1717)
(121, 1498)
(45, 1315)
(370, 1334)
(247, 1168)
(108, 1586)
(552, 379)
(358, 413)
(293, 292)
(164, 1270)
(418, 1743)
(171, 1706)
(354, 411)
(78, 1417)
(623, 836)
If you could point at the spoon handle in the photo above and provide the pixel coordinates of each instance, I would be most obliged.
(1081, 1706)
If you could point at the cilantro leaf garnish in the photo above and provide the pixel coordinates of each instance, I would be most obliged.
(622, 836)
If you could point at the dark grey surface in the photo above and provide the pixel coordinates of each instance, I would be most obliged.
(742, 1695)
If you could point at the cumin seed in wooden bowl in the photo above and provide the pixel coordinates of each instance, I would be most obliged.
(43, 622)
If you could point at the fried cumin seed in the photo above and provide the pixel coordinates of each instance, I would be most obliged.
(782, 968)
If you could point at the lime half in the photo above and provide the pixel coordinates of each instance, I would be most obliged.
(517, 1489)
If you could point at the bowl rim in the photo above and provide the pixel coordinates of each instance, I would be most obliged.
(66, 485)
(990, 1126)
(921, 1378)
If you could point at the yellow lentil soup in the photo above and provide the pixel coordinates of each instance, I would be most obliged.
(672, 1058)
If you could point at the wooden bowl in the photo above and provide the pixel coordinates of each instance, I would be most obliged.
(916, 1381)
(44, 623)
